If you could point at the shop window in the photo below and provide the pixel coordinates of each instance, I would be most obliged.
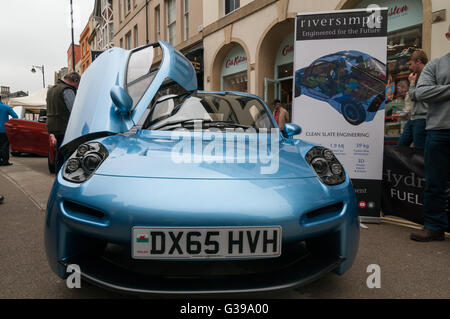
(401, 44)
(285, 70)
(235, 82)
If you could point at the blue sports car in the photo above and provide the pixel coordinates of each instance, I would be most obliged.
(172, 190)
(352, 82)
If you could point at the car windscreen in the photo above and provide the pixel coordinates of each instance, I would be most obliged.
(139, 73)
(212, 110)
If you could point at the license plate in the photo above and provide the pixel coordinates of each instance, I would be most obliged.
(205, 242)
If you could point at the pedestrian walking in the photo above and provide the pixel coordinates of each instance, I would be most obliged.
(280, 114)
(433, 88)
(414, 131)
(5, 112)
(60, 99)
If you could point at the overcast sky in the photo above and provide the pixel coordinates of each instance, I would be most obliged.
(37, 32)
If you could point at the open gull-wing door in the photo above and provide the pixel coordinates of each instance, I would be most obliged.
(117, 88)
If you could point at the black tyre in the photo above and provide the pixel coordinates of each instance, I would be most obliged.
(51, 167)
(353, 112)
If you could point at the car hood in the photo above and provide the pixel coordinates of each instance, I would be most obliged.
(158, 154)
(94, 113)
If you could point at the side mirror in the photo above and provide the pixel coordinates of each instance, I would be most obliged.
(121, 99)
(292, 129)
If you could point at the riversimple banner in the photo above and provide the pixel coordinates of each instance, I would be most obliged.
(339, 93)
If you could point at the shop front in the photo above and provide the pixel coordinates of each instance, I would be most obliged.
(282, 84)
(234, 71)
(195, 56)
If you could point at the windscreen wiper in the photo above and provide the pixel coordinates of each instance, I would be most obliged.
(220, 124)
(180, 123)
(205, 123)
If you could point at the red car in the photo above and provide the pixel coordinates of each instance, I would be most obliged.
(27, 135)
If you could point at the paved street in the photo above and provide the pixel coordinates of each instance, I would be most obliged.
(408, 269)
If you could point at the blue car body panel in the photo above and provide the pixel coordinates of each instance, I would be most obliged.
(94, 111)
(139, 184)
(347, 59)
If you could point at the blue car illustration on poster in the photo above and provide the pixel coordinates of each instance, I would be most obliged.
(352, 82)
(136, 219)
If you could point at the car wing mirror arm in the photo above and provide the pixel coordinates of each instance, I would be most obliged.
(123, 103)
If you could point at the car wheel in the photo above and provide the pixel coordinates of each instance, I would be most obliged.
(51, 166)
(15, 153)
(353, 112)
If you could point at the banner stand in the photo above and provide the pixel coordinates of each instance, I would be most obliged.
(370, 220)
(339, 93)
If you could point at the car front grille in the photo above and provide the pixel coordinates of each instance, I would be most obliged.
(116, 270)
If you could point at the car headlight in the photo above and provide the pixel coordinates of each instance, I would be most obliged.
(326, 165)
(84, 162)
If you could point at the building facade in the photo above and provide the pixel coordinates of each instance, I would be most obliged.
(85, 48)
(248, 44)
(60, 74)
(102, 24)
(77, 51)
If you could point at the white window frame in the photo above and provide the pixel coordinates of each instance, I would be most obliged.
(127, 6)
(128, 40)
(135, 36)
(120, 10)
(172, 23)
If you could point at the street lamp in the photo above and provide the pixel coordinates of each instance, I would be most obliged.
(73, 43)
(33, 70)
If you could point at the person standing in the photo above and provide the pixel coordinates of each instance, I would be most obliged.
(5, 112)
(280, 114)
(60, 99)
(414, 131)
(433, 88)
